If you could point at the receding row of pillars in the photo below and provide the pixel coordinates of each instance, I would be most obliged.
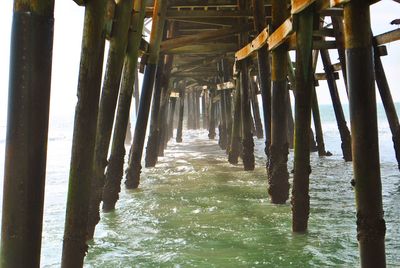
(89, 183)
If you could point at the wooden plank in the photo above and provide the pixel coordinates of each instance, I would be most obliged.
(202, 37)
(226, 85)
(337, 67)
(300, 5)
(322, 76)
(387, 37)
(281, 34)
(253, 46)
(191, 14)
(203, 49)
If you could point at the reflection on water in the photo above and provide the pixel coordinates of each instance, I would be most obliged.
(196, 210)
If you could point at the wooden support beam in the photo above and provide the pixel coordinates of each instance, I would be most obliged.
(27, 133)
(211, 48)
(323, 76)
(179, 14)
(281, 34)
(387, 100)
(181, 111)
(364, 130)
(108, 103)
(278, 176)
(202, 37)
(115, 168)
(134, 167)
(83, 144)
(300, 5)
(387, 37)
(256, 44)
(303, 94)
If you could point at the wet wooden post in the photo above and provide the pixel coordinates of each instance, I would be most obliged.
(136, 92)
(27, 131)
(163, 119)
(154, 132)
(228, 101)
(82, 156)
(247, 135)
(256, 109)
(337, 106)
(387, 101)
(197, 108)
(171, 117)
(317, 125)
(367, 179)
(156, 141)
(278, 176)
(223, 115)
(337, 23)
(204, 108)
(212, 112)
(263, 72)
(303, 93)
(290, 123)
(190, 118)
(319, 136)
(134, 168)
(181, 111)
(292, 80)
(115, 166)
(234, 148)
(108, 103)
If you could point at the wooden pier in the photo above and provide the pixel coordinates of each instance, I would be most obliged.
(206, 64)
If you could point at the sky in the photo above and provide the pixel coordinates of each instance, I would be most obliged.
(67, 44)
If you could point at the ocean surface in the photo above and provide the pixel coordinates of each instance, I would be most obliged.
(194, 209)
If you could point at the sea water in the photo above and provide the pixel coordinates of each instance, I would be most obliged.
(194, 209)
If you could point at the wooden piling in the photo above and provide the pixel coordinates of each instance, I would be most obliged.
(290, 122)
(387, 100)
(263, 72)
(212, 113)
(190, 116)
(181, 111)
(134, 168)
(256, 109)
(234, 148)
(317, 124)
(108, 103)
(27, 132)
(278, 176)
(368, 189)
(225, 77)
(303, 97)
(171, 117)
(82, 156)
(337, 106)
(247, 135)
(204, 113)
(222, 141)
(115, 166)
(154, 132)
(197, 108)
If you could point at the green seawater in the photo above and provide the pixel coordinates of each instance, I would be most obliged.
(196, 210)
